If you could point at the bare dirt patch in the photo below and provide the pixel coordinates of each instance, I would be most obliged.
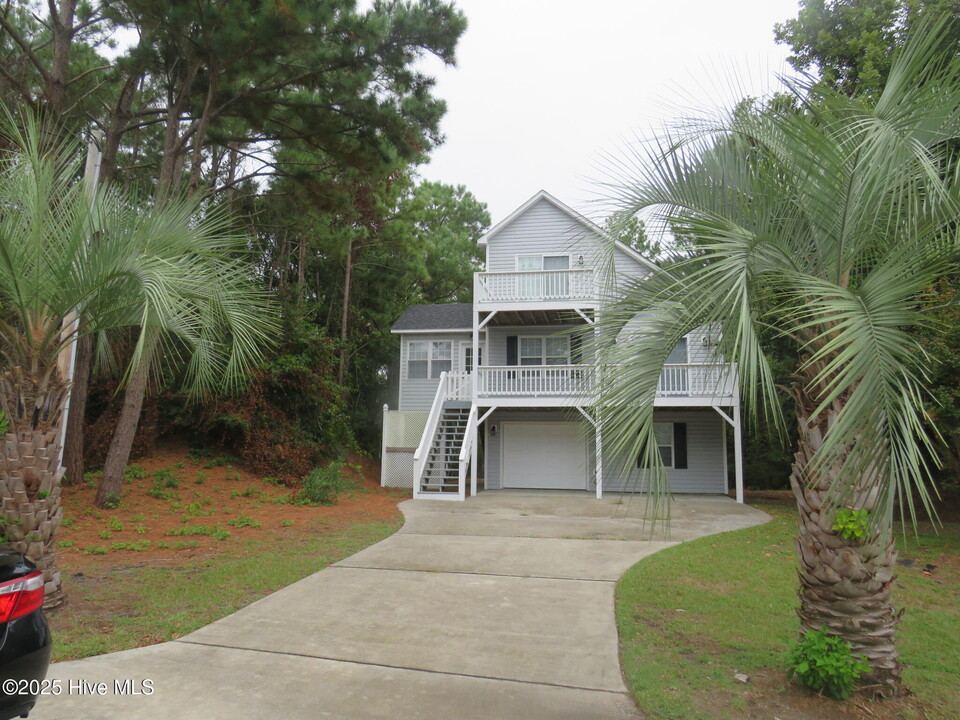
(212, 492)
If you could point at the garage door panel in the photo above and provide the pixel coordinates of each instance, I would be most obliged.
(544, 455)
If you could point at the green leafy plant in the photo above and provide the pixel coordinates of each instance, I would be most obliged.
(140, 530)
(134, 472)
(4, 423)
(323, 485)
(105, 534)
(94, 550)
(824, 663)
(851, 524)
(111, 501)
(192, 530)
(65, 543)
(286, 523)
(201, 478)
(138, 546)
(115, 525)
(243, 521)
(220, 533)
(165, 478)
(43, 494)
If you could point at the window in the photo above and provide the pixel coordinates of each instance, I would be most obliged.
(678, 356)
(418, 364)
(664, 434)
(544, 351)
(672, 443)
(553, 285)
(543, 262)
(429, 359)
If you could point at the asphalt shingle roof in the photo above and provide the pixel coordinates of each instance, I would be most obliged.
(449, 316)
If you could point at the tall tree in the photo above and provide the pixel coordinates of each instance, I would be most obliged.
(163, 269)
(851, 43)
(826, 226)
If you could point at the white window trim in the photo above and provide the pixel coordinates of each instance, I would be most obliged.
(543, 349)
(430, 358)
(516, 265)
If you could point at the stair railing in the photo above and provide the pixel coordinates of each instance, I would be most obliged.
(466, 452)
(433, 421)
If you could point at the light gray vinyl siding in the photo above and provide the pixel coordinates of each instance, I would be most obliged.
(419, 394)
(706, 462)
(493, 453)
(497, 340)
(628, 266)
(545, 229)
(542, 229)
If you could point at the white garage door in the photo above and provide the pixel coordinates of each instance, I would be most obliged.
(544, 455)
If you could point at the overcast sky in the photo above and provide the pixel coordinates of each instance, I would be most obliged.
(543, 88)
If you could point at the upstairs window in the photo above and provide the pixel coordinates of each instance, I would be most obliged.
(554, 285)
(427, 359)
(678, 356)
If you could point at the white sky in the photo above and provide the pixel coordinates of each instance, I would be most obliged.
(543, 88)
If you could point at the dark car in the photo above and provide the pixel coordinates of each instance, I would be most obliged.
(24, 636)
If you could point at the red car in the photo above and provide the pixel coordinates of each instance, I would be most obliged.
(25, 642)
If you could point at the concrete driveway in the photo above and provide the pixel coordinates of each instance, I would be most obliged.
(498, 607)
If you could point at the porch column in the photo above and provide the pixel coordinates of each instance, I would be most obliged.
(737, 453)
(383, 445)
(474, 451)
(474, 372)
(599, 433)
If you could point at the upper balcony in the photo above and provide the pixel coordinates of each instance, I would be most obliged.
(540, 289)
(680, 385)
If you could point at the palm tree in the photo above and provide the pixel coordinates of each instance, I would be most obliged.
(167, 271)
(818, 223)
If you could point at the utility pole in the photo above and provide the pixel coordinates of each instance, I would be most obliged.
(71, 324)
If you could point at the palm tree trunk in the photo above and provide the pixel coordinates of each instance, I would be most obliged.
(846, 586)
(29, 474)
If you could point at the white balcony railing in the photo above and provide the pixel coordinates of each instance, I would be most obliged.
(706, 381)
(534, 286)
(535, 380)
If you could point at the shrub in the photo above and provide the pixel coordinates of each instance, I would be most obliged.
(322, 485)
(824, 663)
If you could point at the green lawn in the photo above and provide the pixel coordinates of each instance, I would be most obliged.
(693, 615)
(123, 607)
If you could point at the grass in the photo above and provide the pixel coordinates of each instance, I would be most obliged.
(153, 604)
(694, 614)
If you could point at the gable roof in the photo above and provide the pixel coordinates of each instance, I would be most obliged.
(443, 318)
(575, 216)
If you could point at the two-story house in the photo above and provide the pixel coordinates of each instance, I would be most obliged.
(506, 369)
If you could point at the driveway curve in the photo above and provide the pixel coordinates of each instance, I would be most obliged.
(497, 607)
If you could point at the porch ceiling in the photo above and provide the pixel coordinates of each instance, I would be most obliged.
(536, 317)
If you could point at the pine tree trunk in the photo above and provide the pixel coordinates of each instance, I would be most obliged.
(345, 313)
(846, 586)
(73, 445)
(111, 482)
(29, 475)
